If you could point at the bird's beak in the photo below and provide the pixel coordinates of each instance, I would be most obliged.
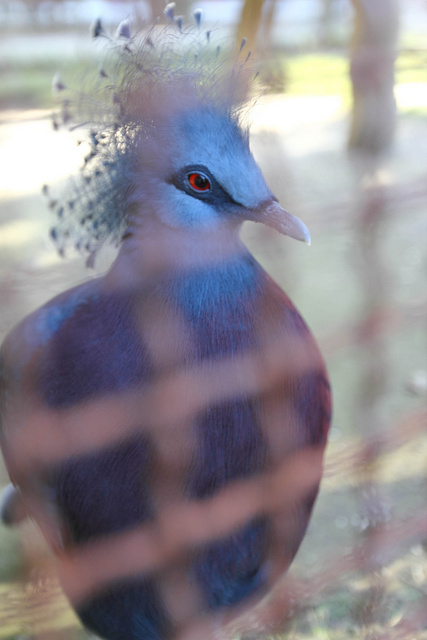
(274, 216)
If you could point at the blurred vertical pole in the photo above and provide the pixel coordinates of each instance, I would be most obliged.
(375, 509)
(373, 53)
(373, 123)
(325, 24)
(268, 25)
(250, 21)
(372, 57)
(273, 70)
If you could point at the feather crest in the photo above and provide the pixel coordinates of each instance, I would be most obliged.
(144, 85)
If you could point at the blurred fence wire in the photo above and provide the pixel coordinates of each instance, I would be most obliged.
(43, 437)
(384, 534)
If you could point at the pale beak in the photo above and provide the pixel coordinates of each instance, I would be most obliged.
(274, 216)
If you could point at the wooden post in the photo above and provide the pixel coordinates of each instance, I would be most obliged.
(250, 21)
(373, 53)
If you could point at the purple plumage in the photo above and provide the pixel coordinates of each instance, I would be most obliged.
(171, 178)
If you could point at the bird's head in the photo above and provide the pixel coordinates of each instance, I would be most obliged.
(172, 151)
(197, 172)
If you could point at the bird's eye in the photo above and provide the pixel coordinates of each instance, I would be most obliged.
(198, 181)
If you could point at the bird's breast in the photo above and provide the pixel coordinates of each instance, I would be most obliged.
(209, 325)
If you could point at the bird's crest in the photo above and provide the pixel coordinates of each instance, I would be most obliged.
(145, 81)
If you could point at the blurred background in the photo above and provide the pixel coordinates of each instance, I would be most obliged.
(341, 135)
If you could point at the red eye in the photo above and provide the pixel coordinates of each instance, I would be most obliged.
(198, 181)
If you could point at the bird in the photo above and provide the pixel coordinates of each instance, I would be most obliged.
(183, 381)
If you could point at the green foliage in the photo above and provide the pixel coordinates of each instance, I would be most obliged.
(27, 84)
(318, 74)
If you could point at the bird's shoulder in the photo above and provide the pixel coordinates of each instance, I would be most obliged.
(85, 343)
(304, 364)
(24, 345)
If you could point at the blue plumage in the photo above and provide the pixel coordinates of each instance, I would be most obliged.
(183, 292)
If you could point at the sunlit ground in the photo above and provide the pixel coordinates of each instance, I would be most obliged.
(299, 140)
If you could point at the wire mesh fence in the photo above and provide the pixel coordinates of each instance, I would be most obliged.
(361, 570)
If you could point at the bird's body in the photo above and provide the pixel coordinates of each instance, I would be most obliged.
(184, 295)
